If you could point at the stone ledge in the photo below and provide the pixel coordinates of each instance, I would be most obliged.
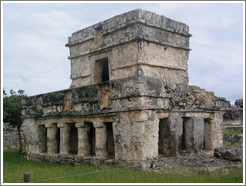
(134, 16)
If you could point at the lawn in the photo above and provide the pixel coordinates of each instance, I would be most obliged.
(14, 168)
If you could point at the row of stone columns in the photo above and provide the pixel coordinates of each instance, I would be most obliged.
(84, 143)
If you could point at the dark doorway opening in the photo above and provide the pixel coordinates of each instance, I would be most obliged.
(165, 137)
(187, 136)
(73, 139)
(42, 136)
(183, 135)
(101, 70)
(207, 142)
(110, 139)
(91, 137)
(58, 139)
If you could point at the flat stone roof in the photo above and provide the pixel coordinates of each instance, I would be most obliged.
(135, 16)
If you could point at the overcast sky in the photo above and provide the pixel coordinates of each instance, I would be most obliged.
(35, 34)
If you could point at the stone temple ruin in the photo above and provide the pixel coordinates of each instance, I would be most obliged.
(129, 100)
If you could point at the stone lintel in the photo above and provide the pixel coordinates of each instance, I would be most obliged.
(162, 115)
(80, 125)
(50, 125)
(62, 125)
(98, 124)
(197, 114)
(133, 17)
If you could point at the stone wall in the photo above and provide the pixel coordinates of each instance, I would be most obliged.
(233, 114)
(232, 139)
(11, 137)
(135, 41)
(239, 103)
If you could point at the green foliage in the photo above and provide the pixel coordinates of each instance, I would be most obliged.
(14, 168)
(12, 107)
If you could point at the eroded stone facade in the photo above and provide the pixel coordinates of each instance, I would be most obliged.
(129, 100)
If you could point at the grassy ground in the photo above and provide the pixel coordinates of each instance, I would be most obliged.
(14, 168)
(231, 132)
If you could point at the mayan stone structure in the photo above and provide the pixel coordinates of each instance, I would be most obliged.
(129, 100)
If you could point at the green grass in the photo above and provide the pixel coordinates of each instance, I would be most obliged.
(231, 132)
(232, 146)
(14, 168)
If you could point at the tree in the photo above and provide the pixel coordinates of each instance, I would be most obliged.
(12, 109)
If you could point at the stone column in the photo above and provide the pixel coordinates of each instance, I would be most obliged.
(216, 129)
(52, 145)
(64, 138)
(101, 141)
(84, 146)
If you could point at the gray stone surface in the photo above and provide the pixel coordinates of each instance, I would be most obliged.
(239, 103)
(11, 137)
(232, 139)
(229, 154)
(233, 114)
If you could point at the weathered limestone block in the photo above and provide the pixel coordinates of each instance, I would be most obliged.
(137, 151)
(136, 136)
(68, 102)
(30, 130)
(123, 60)
(216, 128)
(105, 91)
(52, 143)
(122, 134)
(151, 137)
(164, 62)
(39, 103)
(80, 67)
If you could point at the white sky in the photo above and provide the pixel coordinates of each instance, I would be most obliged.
(34, 36)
